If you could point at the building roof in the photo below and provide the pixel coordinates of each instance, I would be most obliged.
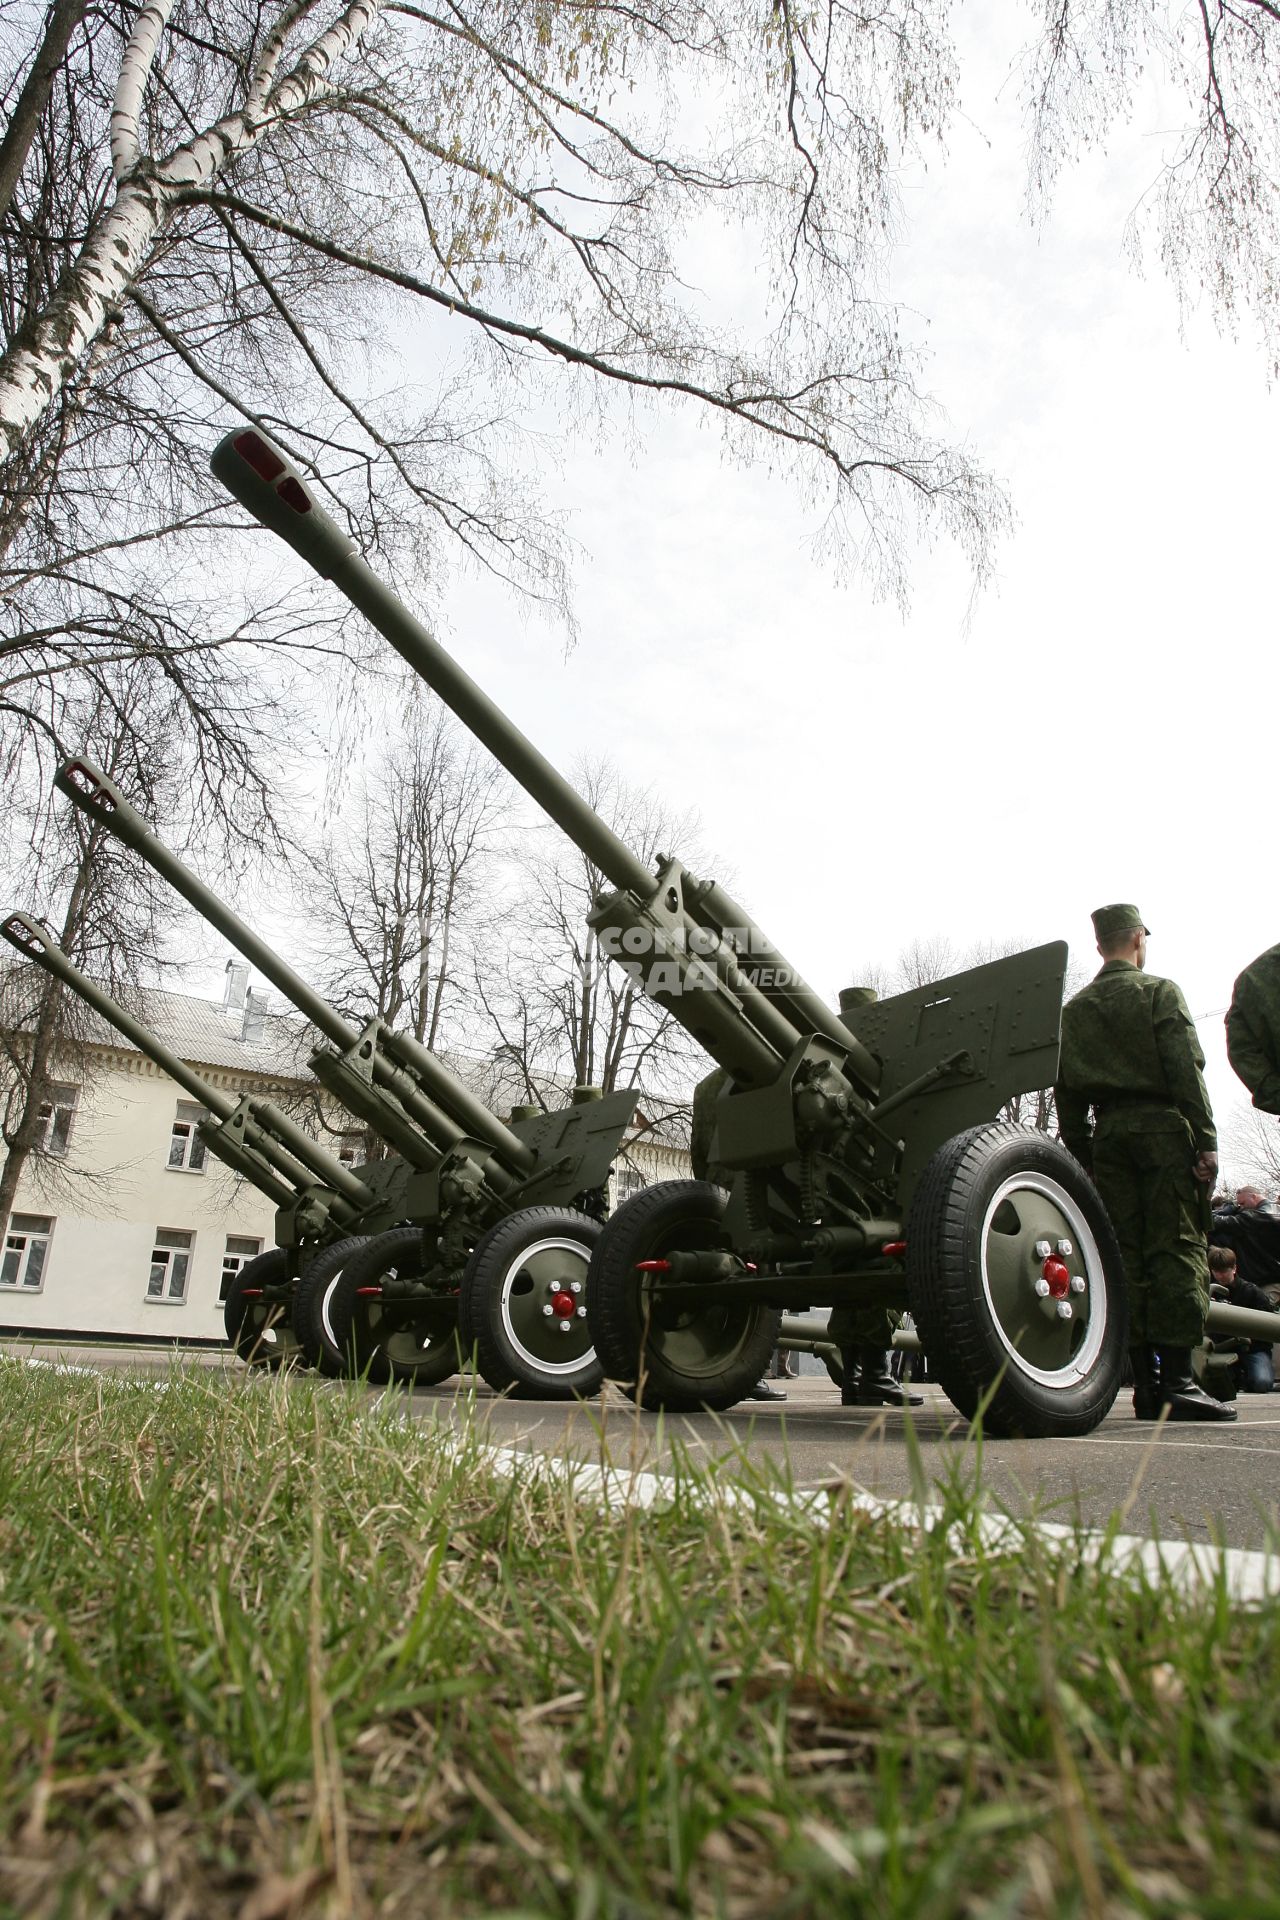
(204, 1033)
(207, 1033)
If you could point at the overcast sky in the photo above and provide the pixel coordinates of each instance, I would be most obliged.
(1103, 728)
(1099, 727)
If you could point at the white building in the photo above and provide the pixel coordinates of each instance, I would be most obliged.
(126, 1227)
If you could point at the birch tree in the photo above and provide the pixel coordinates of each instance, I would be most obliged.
(236, 209)
(271, 193)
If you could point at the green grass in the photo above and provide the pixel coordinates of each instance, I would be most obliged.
(266, 1652)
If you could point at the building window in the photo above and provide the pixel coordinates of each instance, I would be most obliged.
(187, 1151)
(353, 1148)
(170, 1266)
(55, 1121)
(626, 1181)
(238, 1252)
(26, 1249)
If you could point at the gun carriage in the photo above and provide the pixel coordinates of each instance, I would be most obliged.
(857, 1159)
(321, 1204)
(475, 1232)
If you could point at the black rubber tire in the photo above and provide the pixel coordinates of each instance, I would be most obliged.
(261, 1332)
(992, 1191)
(319, 1270)
(513, 1353)
(420, 1352)
(658, 1362)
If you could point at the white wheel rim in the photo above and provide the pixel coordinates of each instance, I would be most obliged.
(581, 1256)
(1086, 1255)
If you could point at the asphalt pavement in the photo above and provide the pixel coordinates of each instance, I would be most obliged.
(1218, 1483)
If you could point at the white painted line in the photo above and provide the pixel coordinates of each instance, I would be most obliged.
(1248, 1577)
(68, 1367)
(54, 1366)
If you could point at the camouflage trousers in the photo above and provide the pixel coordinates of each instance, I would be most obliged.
(863, 1327)
(1142, 1168)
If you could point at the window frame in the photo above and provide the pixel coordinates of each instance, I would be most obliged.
(353, 1147)
(63, 1098)
(184, 1129)
(40, 1236)
(186, 1250)
(242, 1260)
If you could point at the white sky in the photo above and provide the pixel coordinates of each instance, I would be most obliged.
(1102, 729)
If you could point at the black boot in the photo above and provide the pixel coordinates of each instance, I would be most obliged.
(1182, 1393)
(852, 1372)
(877, 1386)
(1146, 1383)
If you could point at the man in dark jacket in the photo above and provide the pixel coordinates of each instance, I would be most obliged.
(1251, 1229)
(1130, 1057)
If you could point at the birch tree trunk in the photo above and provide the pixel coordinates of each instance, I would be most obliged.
(45, 354)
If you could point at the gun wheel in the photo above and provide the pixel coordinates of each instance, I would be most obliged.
(522, 1308)
(673, 1355)
(321, 1269)
(380, 1339)
(259, 1327)
(1016, 1284)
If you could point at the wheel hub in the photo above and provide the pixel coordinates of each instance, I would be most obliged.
(1038, 1259)
(543, 1312)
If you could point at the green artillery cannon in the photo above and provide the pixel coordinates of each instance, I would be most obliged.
(858, 1158)
(323, 1208)
(506, 1214)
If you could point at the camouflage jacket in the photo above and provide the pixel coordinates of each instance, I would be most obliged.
(1127, 1037)
(1253, 1029)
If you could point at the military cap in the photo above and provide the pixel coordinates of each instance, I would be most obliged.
(1109, 920)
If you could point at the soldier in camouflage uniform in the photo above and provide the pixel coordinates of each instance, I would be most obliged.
(1253, 1029)
(1130, 1053)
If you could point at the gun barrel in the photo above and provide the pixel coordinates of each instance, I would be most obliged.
(30, 938)
(100, 798)
(460, 1112)
(286, 1161)
(262, 480)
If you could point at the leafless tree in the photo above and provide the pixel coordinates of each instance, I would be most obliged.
(230, 208)
(108, 913)
(398, 889)
(1212, 213)
(1252, 1151)
(216, 209)
(557, 1013)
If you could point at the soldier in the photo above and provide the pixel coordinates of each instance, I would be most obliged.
(1130, 1052)
(1253, 1029)
(864, 1336)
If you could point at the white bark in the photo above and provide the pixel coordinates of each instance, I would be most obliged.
(135, 70)
(45, 354)
(269, 60)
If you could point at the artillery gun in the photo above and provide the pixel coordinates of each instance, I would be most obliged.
(858, 1157)
(505, 1214)
(323, 1208)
